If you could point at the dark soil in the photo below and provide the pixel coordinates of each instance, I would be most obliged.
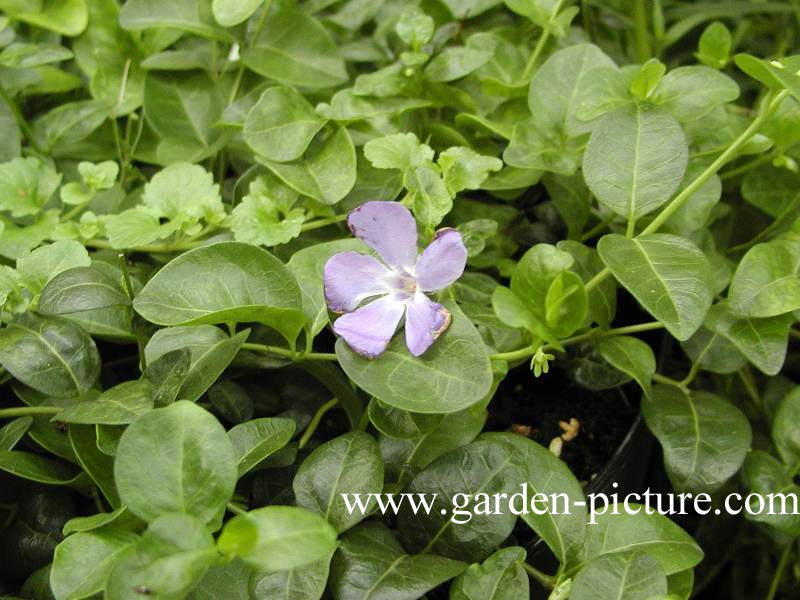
(531, 406)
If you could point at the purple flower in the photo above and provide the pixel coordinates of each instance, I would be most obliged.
(395, 287)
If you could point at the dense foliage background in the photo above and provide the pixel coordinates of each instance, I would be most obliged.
(178, 418)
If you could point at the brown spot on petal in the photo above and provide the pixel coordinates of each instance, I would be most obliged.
(447, 319)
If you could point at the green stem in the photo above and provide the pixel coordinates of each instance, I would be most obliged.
(776, 579)
(315, 421)
(597, 332)
(659, 378)
(544, 579)
(318, 223)
(643, 48)
(735, 172)
(236, 509)
(678, 201)
(600, 227)
(25, 411)
(537, 51)
(287, 353)
(23, 124)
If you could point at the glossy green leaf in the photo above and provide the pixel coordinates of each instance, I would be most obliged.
(281, 125)
(175, 459)
(275, 538)
(784, 429)
(244, 284)
(668, 275)
(256, 440)
(457, 370)
(370, 562)
(621, 576)
(13, 431)
(635, 160)
(705, 439)
(348, 464)
(766, 282)
(764, 474)
(500, 577)
(120, 405)
(631, 356)
(232, 12)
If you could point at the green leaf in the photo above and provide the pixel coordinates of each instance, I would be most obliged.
(453, 374)
(764, 474)
(401, 151)
(667, 274)
(12, 432)
(295, 49)
(175, 459)
(184, 190)
(307, 266)
(232, 12)
(168, 561)
(603, 298)
(647, 78)
(183, 109)
(635, 160)
(482, 467)
(26, 184)
(401, 423)
(121, 518)
(762, 341)
(328, 171)
(38, 267)
(631, 356)
(785, 435)
(210, 349)
(231, 401)
(254, 441)
(572, 200)
(621, 576)
(281, 125)
(714, 47)
(766, 282)
(20, 55)
(705, 439)
(243, 283)
(120, 405)
(67, 17)
(300, 583)
(653, 534)
(275, 538)
(167, 374)
(773, 75)
(713, 352)
(692, 92)
(544, 473)
(38, 468)
(414, 27)
(432, 199)
(99, 466)
(456, 62)
(83, 561)
(566, 304)
(192, 16)
(51, 355)
(70, 123)
(348, 464)
(370, 562)
(465, 169)
(500, 577)
(92, 297)
(266, 218)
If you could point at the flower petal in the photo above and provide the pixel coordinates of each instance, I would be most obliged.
(350, 278)
(426, 320)
(368, 330)
(389, 229)
(442, 262)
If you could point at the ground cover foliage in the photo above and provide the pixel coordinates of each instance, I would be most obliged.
(179, 418)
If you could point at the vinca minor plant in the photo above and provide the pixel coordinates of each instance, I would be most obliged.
(260, 258)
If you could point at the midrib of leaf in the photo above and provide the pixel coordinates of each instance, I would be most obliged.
(660, 279)
(384, 575)
(185, 107)
(338, 479)
(624, 578)
(54, 353)
(635, 179)
(696, 449)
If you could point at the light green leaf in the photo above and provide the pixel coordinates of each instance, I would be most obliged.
(175, 459)
(465, 169)
(243, 283)
(184, 190)
(714, 47)
(690, 93)
(456, 370)
(20, 55)
(767, 282)
(705, 438)
(264, 218)
(281, 125)
(275, 538)
(635, 160)
(400, 151)
(67, 17)
(193, 16)
(26, 184)
(119, 405)
(667, 274)
(432, 199)
(232, 12)
(98, 465)
(40, 266)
